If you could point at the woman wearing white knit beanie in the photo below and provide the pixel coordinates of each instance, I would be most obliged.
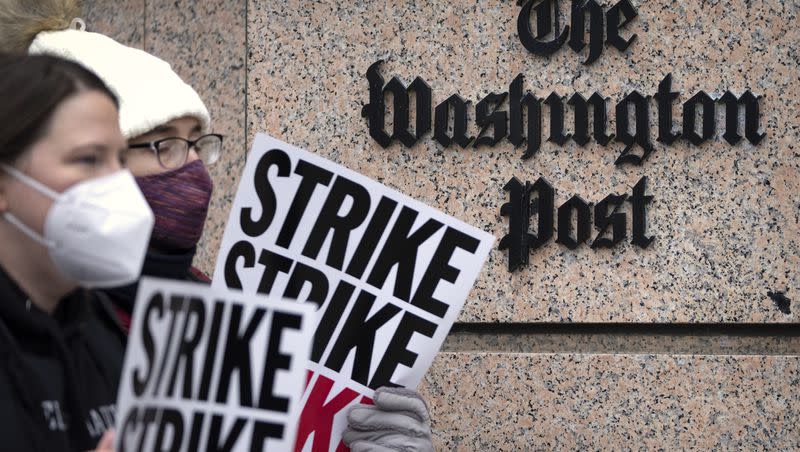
(164, 120)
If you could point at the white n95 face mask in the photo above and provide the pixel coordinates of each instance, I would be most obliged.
(96, 231)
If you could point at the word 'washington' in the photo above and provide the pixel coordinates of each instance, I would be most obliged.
(450, 122)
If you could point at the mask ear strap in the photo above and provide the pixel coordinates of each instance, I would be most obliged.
(41, 188)
(31, 182)
(11, 218)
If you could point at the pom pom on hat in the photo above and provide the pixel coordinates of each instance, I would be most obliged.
(150, 92)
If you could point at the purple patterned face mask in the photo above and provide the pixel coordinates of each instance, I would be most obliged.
(179, 199)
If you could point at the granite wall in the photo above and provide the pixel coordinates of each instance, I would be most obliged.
(675, 346)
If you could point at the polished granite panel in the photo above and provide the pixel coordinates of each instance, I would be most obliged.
(205, 43)
(122, 20)
(725, 218)
(493, 401)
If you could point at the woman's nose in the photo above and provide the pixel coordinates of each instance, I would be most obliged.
(192, 155)
(112, 166)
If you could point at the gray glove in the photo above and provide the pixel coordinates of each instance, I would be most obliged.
(399, 421)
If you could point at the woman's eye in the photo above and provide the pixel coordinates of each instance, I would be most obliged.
(87, 159)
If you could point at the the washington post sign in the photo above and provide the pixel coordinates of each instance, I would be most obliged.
(387, 275)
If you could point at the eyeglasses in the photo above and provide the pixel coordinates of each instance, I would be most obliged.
(173, 152)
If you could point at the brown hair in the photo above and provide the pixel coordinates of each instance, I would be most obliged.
(22, 20)
(31, 88)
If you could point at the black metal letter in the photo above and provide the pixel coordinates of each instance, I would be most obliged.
(442, 122)
(664, 98)
(547, 14)
(613, 24)
(639, 203)
(498, 120)
(596, 23)
(690, 118)
(565, 222)
(642, 134)
(751, 118)
(516, 105)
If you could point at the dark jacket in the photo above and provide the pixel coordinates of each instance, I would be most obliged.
(176, 265)
(58, 373)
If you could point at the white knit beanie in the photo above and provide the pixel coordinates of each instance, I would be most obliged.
(150, 92)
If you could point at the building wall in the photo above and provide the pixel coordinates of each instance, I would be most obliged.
(675, 346)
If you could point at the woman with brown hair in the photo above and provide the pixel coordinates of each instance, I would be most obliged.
(71, 219)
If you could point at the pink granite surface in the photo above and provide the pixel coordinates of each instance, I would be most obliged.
(122, 20)
(512, 402)
(725, 217)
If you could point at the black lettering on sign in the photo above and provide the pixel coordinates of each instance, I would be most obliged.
(237, 356)
(265, 193)
(519, 241)
(141, 377)
(241, 249)
(302, 274)
(548, 23)
(556, 104)
(275, 360)
(751, 116)
(312, 176)
(665, 98)
(150, 428)
(369, 241)
(273, 263)
(358, 335)
(219, 443)
(175, 307)
(641, 136)
(262, 431)
(128, 428)
(578, 205)
(170, 421)
(596, 19)
(211, 350)
(398, 353)
(187, 345)
(400, 250)
(690, 118)
(520, 103)
(573, 214)
(333, 313)
(439, 269)
(197, 426)
(329, 221)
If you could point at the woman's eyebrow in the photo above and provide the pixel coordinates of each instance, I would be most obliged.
(88, 147)
(161, 129)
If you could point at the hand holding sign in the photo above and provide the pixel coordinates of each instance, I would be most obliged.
(399, 420)
(387, 274)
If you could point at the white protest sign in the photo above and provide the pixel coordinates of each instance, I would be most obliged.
(212, 369)
(388, 274)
